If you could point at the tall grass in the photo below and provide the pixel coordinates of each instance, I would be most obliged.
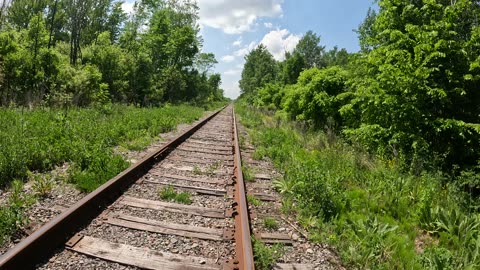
(377, 216)
(38, 140)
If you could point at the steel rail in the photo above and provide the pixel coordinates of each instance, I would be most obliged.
(42, 243)
(243, 248)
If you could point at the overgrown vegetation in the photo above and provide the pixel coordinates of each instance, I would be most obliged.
(12, 213)
(169, 194)
(248, 175)
(266, 256)
(210, 170)
(34, 142)
(270, 223)
(38, 140)
(91, 52)
(377, 216)
(379, 148)
(252, 200)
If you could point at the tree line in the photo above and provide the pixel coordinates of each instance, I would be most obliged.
(84, 52)
(411, 94)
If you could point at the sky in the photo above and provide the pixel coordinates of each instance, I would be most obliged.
(232, 28)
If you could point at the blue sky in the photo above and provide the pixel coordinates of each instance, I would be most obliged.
(231, 28)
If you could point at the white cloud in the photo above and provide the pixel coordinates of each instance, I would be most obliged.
(228, 58)
(231, 72)
(245, 50)
(280, 41)
(128, 7)
(238, 42)
(268, 25)
(235, 16)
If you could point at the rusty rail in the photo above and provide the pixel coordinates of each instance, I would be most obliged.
(55, 233)
(243, 248)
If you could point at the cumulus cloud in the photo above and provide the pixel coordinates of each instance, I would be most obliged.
(245, 50)
(234, 16)
(228, 58)
(268, 25)
(280, 41)
(238, 42)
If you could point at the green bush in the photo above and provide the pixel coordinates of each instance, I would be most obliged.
(373, 212)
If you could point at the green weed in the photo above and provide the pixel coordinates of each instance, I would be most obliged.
(183, 198)
(169, 194)
(251, 199)
(266, 256)
(270, 223)
(12, 213)
(38, 140)
(197, 170)
(42, 183)
(248, 175)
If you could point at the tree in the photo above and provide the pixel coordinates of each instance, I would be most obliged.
(309, 48)
(315, 97)
(334, 57)
(204, 62)
(366, 32)
(21, 12)
(260, 68)
(116, 19)
(292, 67)
(420, 84)
(90, 52)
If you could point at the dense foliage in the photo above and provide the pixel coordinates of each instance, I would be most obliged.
(411, 99)
(376, 215)
(414, 84)
(70, 52)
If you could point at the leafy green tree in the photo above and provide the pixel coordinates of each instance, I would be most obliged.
(260, 68)
(315, 97)
(420, 84)
(366, 31)
(336, 57)
(116, 19)
(21, 12)
(114, 64)
(84, 52)
(204, 62)
(292, 67)
(311, 51)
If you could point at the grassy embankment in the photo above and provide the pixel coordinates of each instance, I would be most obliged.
(40, 139)
(373, 214)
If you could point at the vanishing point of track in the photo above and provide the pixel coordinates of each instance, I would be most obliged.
(204, 161)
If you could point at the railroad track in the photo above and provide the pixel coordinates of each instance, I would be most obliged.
(183, 207)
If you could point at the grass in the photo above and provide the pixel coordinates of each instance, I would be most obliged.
(270, 223)
(197, 170)
(12, 214)
(248, 175)
(42, 183)
(210, 170)
(266, 256)
(252, 200)
(372, 212)
(38, 140)
(169, 194)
